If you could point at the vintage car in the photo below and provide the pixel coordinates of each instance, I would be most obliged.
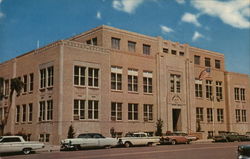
(244, 152)
(173, 139)
(88, 140)
(136, 139)
(230, 137)
(18, 144)
(188, 136)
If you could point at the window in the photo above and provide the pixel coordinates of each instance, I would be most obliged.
(132, 80)
(131, 46)
(199, 114)
(237, 115)
(209, 115)
(217, 64)
(3, 111)
(116, 78)
(173, 52)
(175, 84)
(92, 41)
(30, 109)
(25, 83)
(92, 109)
(50, 76)
(244, 115)
(197, 59)
(165, 50)
(220, 116)
(79, 109)
(236, 94)
(132, 111)
(1, 89)
(42, 111)
(116, 111)
(147, 82)
(115, 43)
(93, 77)
(17, 113)
(49, 109)
(24, 113)
(209, 89)
(198, 88)
(31, 82)
(210, 134)
(146, 49)
(242, 94)
(6, 87)
(42, 78)
(148, 112)
(79, 75)
(181, 53)
(219, 90)
(207, 62)
(44, 137)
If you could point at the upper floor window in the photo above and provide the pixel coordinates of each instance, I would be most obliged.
(207, 62)
(236, 94)
(93, 109)
(45, 110)
(46, 77)
(175, 83)
(43, 78)
(132, 80)
(93, 76)
(132, 111)
(220, 115)
(30, 111)
(219, 89)
(79, 109)
(79, 75)
(17, 113)
(181, 53)
(209, 115)
(116, 111)
(237, 115)
(198, 88)
(199, 114)
(173, 52)
(146, 49)
(131, 46)
(31, 82)
(209, 91)
(217, 64)
(25, 83)
(165, 50)
(115, 43)
(244, 115)
(50, 71)
(24, 113)
(6, 87)
(92, 41)
(197, 59)
(147, 82)
(148, 112)
(242, 94)
(116, 78)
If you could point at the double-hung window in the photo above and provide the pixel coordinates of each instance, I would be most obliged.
(147, 82)
(116, 111)
(132, 80)
(116, 78)
(132, 111)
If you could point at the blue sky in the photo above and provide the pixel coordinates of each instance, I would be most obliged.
(217, 25)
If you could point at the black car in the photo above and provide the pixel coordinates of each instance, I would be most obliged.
(244, 152)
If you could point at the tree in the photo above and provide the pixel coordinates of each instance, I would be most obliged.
(16, 85)
(71, 133)
(159, 125)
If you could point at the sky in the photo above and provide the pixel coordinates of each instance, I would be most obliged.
(218, 25)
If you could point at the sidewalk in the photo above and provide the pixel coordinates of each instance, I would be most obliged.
(202, 141)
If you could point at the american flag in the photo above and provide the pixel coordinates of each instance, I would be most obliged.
(205, 73)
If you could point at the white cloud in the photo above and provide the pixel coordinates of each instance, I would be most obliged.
(234, 12)
(98, 15)
(190, 18)
(1, 1)
(180, 1)
(166, 29)
(128, 6)
(197, 36)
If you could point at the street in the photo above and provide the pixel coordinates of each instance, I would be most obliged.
(192, 151)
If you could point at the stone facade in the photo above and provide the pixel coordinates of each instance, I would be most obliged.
(109, 79)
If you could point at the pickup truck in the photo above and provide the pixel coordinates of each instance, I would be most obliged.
(18, 144)
(88, 140)
(136, 139)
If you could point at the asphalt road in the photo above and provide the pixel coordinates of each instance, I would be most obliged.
(192, 151)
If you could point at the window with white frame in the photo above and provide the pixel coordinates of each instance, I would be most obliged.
(175, 83)
(30, 110)
(236, 94)
(79, 109)
(237, 115)
(25, 83)
(31, 81)
(49, 109)
(116, 78)
(93, 109)
(209, 115)
(147, 82)
(219, 90)
(93, 77)
(115, 43)
(79, 75)
(244, 115)
(198, 88)
(209, 91)
(43, 78)
(148, 112)
(50, 71)
(24, 113)
(17, 113)
(116, 111)
(132, 80)
(220, 115)
(199, 114)
(44, 137)
(46, 110)
(132, 111)
(242, 94)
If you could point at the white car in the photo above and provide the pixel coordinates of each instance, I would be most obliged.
(18, 144)
(88, 140)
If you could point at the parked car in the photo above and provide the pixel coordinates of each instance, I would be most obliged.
(188, 136)
(230, 137)
(174, 139)
(244, 152)
(88, 140)
(136, 139)
(18, 144)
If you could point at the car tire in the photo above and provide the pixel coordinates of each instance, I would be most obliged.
(26, 151)
(150, 144)
(173, 142)
(127, 144)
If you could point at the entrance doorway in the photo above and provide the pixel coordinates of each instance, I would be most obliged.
(176, 119)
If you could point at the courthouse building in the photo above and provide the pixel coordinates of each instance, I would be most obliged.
(111, 80)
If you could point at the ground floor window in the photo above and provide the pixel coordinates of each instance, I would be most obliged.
(44, 137)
